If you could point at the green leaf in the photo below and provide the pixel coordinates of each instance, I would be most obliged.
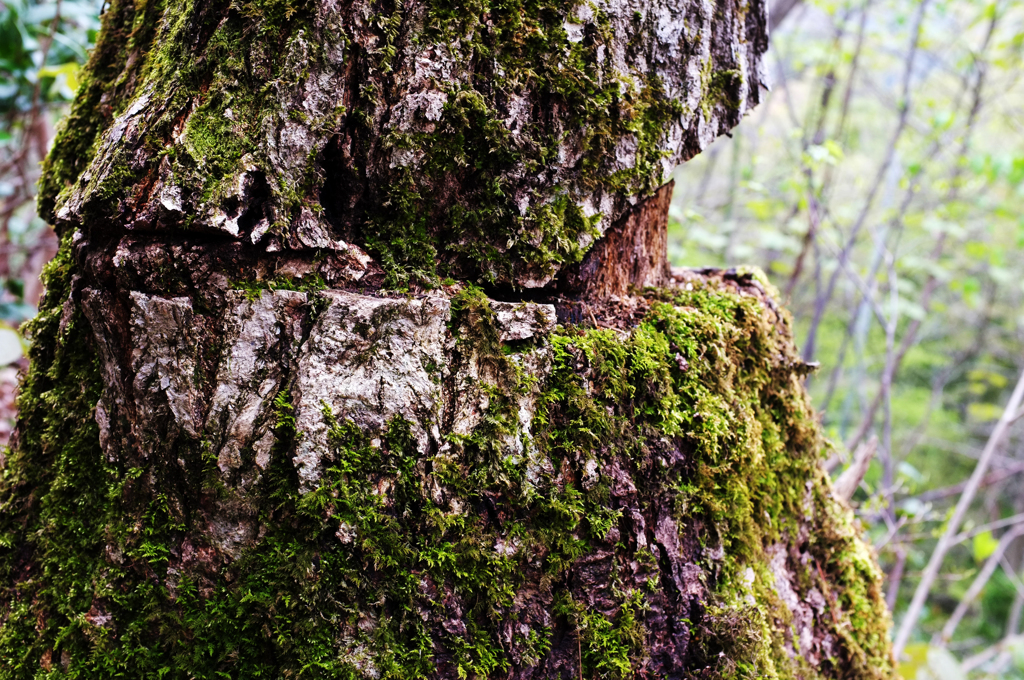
(984, 412)
(984, 545)
(925, 662)
(10, 346)
(916, 658)
(68, 70)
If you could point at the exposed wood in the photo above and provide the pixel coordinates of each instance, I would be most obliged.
(633, 254)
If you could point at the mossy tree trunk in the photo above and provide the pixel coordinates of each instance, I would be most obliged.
(361, 358)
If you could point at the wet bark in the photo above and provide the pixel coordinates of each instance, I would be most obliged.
(362, 357)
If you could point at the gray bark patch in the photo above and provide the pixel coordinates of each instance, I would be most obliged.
(369, 359)
(260, 336)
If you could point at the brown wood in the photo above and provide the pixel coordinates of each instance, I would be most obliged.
(633, 254)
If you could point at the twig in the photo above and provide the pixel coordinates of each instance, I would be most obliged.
(946, 540)
(579, 650)
(778, 11)
(1011, 574)
(897, 222)
(847, 484)
(976, 660)
(813, 204)
(942, 378)
(932, 283)
(1013, 620)
(896, 578)
(823, 299)
(888, 457)
(942, 638)
(997, 524)
(893, 530)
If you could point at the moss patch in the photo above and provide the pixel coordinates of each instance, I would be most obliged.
(409, 566)
(709, 370)
(483, 235)
(305, 284)
(536, 124)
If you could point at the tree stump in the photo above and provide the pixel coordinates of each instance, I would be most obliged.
(361, 357)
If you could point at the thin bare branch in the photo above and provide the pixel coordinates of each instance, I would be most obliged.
(778, 10)
(956, 489)
(905, 104)
(942, 638)
(848, 482)
(932, 283)
(981, 658)
(1012, 520)
(1011, 575)
(946, 541)
(896, 577)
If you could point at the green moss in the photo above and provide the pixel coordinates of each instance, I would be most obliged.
(708, 369)
(127, 28)
(210, 75)
(483, 235)
(721, 88)
(210, 139)
(346, 577)
(57, 494)
(254, 288)
(609, 647)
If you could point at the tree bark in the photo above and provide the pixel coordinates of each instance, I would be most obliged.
(361, 357)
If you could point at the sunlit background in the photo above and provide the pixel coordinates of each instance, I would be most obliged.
(880, 189)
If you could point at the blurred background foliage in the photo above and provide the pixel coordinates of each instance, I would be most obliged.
(42, 47)
(880, 187)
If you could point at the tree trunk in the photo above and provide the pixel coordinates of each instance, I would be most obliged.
(361, 358)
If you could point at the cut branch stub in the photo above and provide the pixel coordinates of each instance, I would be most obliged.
(491, 142)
